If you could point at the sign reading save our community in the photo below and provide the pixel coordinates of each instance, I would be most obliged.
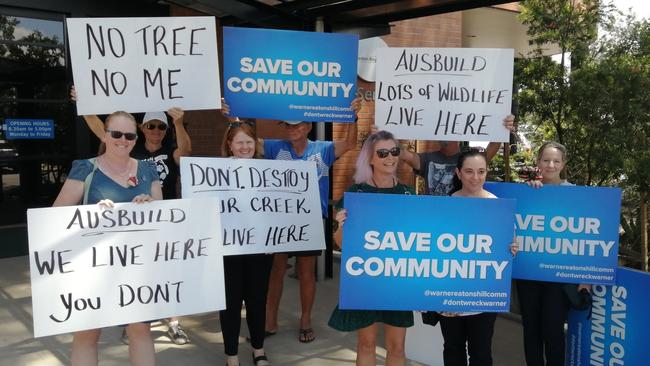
(93, 267)
(564, 233)
(444, 94)
(432, 256)
(144, 64)
(290, 75)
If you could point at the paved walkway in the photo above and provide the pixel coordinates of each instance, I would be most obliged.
(18, 347)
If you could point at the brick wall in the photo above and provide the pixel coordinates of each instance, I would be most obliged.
(433, 31)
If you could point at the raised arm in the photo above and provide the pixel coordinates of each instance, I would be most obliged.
(351, 131)
(493, 147)
(183, 142)
(94, 123)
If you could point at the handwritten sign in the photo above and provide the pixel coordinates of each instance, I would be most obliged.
(615, 330)
(144, 64)
(93, 268)
(266, 206)
(289, 75)
(444, 94)
(564, 233)
(431, 256)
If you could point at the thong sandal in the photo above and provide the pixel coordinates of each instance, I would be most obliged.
(306, 335)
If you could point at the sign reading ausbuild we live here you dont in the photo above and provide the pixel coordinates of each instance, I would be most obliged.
(93, 267)
(144, 64)
(290, 75)
(444, 94)
(266, 206)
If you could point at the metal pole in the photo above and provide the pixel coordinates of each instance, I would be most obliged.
(325, 259)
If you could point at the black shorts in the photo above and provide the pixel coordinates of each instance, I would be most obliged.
(306, 253)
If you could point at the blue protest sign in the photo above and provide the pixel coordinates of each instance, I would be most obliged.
(565, 233)
(290, 75)
(615, 331)
(21, 129)
(406, 252)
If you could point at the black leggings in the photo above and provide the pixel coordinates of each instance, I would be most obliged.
(247, 279)
(544, 309)
(475, 330)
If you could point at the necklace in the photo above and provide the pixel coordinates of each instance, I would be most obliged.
(377, 186)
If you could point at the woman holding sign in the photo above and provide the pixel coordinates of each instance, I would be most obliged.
(112, 177)
(246, 276)
(544, 306)
(376, 170)
(472, 328)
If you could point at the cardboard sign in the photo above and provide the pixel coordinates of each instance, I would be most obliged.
(144, 64)
(266, 206)
(615, 331)
(432, 256)
(290, 75)
(444, 94)
(93, 267)
(565, 233)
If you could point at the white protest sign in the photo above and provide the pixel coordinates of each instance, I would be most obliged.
(444, 94)
(144, 64)
(266, 206)
(93, 268)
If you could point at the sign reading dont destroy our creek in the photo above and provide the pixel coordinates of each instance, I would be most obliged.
(93, 267)
(266, 206)
(444, 94)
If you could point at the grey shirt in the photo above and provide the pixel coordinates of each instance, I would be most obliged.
(437, 169)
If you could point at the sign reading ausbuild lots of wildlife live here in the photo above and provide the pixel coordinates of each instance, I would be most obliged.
(266, 206)
(144, 64)
(444, 94)
(93, 267)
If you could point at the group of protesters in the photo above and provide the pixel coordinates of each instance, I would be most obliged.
(151, 166)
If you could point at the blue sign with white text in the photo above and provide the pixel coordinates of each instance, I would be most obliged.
(21, 129)
(615, 331)
(407, 252)
(290, 75)
(565, 233)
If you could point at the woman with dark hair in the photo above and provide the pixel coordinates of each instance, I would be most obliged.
(544, 306)
(473, 329)
(112, 177)
(246, 276)
(376, 169)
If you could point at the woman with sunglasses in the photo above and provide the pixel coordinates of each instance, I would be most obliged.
(246, 276)
(376, 169)
(113, 176)
(158, 148)
(469, 328)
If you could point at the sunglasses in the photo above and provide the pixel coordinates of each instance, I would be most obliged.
(127, 135)
(151, 126)
(382, 153)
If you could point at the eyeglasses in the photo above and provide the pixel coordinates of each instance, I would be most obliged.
(383, 153)
(151, 126)
(118, 134)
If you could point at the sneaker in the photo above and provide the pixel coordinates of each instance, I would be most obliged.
(177, 334)
(125, 337)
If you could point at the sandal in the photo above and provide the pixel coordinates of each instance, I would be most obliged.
(306, 335)
(261, 360)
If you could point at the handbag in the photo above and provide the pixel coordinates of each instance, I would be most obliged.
(431, 318)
